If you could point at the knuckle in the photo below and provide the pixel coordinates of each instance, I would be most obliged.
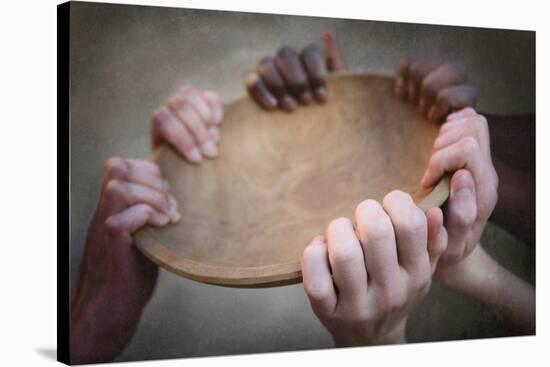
(366, 206)
(115, 166)
(113, 226)
(469, 146)
(390, 301)
(487, 207)
(158, 114)
(338, 224)
(466, 215)
(414, 71)
(421, 281)
(317, 291)
(413, 225)
(470, 110)
(175, 102)
(459, 69)
(113, 187)
(286, 51)
(427, 89)
(378, 229)
(396, 196)
(343, 254)
(421, 288)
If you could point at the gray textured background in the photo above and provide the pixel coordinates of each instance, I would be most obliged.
(125, 61)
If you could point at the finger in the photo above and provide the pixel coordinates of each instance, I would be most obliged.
(167, 128)
(133, 218)
(215, 133)
(216, 106)
(460, 215)
(259, 92)
(437, 236)
(454, 130)
(451, 99)
(138, 171)
(419, 69)
(401, 78)
(122, 194)
(269, 73)
(465, 153)
(293, 73)
(375, 231)
(410, 227)
(197, 102)
(461, 114)
(348, 266)
(317, 278)
(333, 56)
(312, 58)
(183, 109)
(444, 76)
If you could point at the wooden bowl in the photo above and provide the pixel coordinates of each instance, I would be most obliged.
(280, 178)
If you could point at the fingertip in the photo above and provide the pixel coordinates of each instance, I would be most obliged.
(399, 87)
(214, 133)
(288, 103)
(306, 97)
(431, 114)
(437, 234)
(321, 94)
(159, 219)
(194, 155)
(426, 180)
(209, 149)
(319, 239)
(411, 92)
(462, 180)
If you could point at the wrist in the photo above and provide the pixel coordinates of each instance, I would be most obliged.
(365, 337)
(453, 275)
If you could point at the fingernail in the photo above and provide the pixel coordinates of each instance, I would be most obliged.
(431, 115)
(306, 97)
(214, 133)
(461, 187)
(271, 101)
(195, 155)
(321, 94)
(288, 103)
(163, 219)
(411, 92)
(424, 179)
(176, 216)
(398, 87)
(165, 186)
(421, 106)
(209, 149)
(173, 201)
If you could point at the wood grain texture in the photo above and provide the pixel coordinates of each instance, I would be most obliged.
(281, 178)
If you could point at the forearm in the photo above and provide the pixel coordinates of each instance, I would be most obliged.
(103, 320)
(482, 278)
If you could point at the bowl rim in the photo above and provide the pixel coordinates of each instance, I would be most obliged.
(256, 276)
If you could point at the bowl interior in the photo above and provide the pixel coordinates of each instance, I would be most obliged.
(281, 178)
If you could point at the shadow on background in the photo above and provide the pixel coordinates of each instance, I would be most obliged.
(50, 353)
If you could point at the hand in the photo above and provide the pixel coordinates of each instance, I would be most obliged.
(463, 147)
(436, 84)
(189, 122)
(291, 78)
(115, 280)
(363, 282)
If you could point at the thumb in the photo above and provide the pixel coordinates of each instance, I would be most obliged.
(460, 215)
